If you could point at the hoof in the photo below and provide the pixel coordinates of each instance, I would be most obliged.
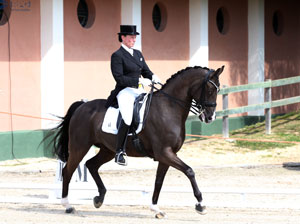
(70, 210)
(200, 209)
(97, 202)
(160, 215)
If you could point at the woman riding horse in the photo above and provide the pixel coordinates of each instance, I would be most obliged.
(190, 89)
(127, 65)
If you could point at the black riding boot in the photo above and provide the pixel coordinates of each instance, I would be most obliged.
(120, 157)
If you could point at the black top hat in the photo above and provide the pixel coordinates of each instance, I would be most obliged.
(128, 30)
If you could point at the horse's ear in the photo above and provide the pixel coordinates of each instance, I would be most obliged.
(219, 71)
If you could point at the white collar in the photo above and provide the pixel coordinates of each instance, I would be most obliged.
(129, 50)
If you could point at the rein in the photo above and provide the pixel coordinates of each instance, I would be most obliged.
(196, 107)
(193, 108)
(178, 101)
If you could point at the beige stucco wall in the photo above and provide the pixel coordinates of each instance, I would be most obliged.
(230, 49)
(22, 85)
(87, 51)
(166, 52)
(282, 53)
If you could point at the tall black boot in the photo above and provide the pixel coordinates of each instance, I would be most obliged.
(120, 157)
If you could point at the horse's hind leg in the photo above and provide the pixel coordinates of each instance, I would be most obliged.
(73, 161)
(104, 156)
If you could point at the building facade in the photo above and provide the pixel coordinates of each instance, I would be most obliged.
(54, 52)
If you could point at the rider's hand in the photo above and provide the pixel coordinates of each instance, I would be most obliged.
(145, 82)
(155, 79)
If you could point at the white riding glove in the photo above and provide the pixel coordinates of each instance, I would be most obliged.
(155, 78)
(145, 82)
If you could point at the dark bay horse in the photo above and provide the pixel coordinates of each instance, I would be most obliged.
(162, 136)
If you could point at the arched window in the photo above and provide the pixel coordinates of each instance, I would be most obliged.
(86, 13)
(1, 11)
(277, 23)
(4, 11)
(159, 17)
(222, 20)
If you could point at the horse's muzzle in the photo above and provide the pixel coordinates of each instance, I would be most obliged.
(207, 119)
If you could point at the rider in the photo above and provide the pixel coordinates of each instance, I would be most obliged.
(131, 73)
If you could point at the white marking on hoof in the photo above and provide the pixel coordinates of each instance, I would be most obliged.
(201, 209)
(154, 208)
(65, 203)
(159, 214)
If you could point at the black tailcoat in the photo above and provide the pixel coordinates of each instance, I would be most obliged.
(126, 70)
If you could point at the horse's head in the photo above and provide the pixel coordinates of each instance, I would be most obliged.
(206, 95)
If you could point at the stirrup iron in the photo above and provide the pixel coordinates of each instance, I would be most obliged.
(117, 158)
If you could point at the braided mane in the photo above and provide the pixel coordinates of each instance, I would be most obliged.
(182, 71)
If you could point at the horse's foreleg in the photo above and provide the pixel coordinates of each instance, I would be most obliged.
(191, 175)
(170, 158)
(93, 165)
(160, 176)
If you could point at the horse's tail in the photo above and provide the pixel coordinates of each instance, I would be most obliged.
(61, 138)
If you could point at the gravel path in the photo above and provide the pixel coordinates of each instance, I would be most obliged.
(224, 169)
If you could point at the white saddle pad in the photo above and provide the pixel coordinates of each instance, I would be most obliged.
(110, 119)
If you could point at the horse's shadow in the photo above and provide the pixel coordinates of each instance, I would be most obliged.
(39, 208)
(105, 212)
(291, 166)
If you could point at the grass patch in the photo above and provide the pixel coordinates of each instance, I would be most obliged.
(260, 145)
(284, 128)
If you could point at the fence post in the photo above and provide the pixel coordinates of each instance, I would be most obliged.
(225, 118)
(268, 113)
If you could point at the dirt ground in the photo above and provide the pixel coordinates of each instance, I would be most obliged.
(217, 164)
(28, 213)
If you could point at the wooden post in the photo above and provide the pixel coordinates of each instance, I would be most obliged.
(268, 112)
(225, 118)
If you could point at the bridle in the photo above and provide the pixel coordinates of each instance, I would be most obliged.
(196, 108)
(199, 107)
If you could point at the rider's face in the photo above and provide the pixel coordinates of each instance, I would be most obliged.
(129, 40)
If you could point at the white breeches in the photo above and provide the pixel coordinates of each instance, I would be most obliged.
(126, 99)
